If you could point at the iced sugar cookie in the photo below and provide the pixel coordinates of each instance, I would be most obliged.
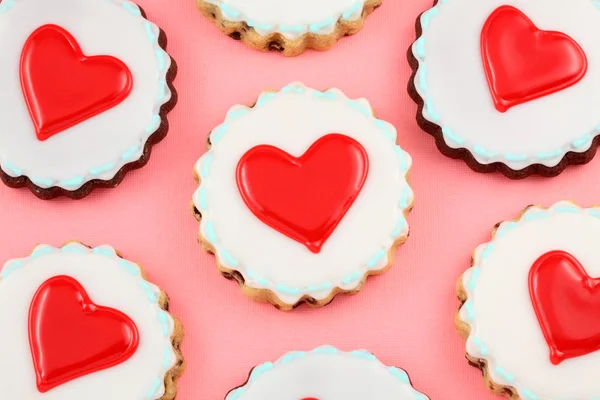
(82, 323)
(509, 86)
(303, 195)
(530, 305)
(326, 373)
(86, 88)
(290, 26)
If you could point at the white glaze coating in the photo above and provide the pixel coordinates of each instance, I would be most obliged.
(291, 18)
(327, 374)
(98, 147)
(504, 328)
(109, 281)
(452, 81)
(292, 120)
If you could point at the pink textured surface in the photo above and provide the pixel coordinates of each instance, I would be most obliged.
(404, 316)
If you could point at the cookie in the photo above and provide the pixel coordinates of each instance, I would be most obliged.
(290, 28)
(326, 373)
(303, 195)
(84, 323)
(86, 88)
(529, 305)
(509, 87)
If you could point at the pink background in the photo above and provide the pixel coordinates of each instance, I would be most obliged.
(404, 316)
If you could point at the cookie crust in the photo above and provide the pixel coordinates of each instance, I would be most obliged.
(279, 43)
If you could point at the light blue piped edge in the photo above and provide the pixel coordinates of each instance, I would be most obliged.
(78, 249)
(127, 156)
(201, 196)
(315, 28)
(530, 216)
(454, 140)
(293, 356)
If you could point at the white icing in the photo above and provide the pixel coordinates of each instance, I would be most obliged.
(327, 374)
(109, 281)
(292, 18)
(452, 81)
(292, 120)
(98, 147)
(504, 328)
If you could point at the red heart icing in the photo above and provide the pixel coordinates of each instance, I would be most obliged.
(62, 86)
(71, 337)
(567, 303)
(304, 198)
(523, 63)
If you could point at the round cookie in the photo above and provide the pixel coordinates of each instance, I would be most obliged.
(326, 373)
(290, 27)
(512, 87)
(530, 302)
(303, 195)
(84, 323)
(86, 88)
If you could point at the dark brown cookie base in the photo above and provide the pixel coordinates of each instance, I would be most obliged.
(571, 158)
(88, 187)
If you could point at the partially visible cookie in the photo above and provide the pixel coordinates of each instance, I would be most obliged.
(289, 27)
(86, 89)
(303, 196)
(530, 305)
(509, 87)
(83, 323)
(326, 373)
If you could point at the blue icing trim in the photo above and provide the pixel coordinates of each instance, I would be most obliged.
(505, 374)
(202, 198)
(488, 249)
(423, 79)
(364, 355)
(154, 388)
(229, 258)
(470, 311)
(264, 98)
(235, 395)
(77, 181)
(133, 9)
(594, 212)
(399, 374)
(238, 113)
(210, 230)
(153, 126)
(261, 369)
(529, 394)
(164, 321)
(482, 152)
(167, 358)
(320, 25)
(12, 168)
(6, 5)
(264, 27)
(376, 258)
(294, 355)
(206, 166)
(515, 157)
(287, 290)
(219, 132)
(388, 132)
(149, 293)
(427, 15)
(474, 276)
(130, 267)
(316, 288)
(292, 89)
(505, 228)
(356, 105)
(451, 136)
(149, 31)
(567, 209)
(482, 348)
(41, 181)
(552, 154)
(403, 158)
(404, 199)
(420, 47)
(399, 227)
(432, 113)
(326, 95)
(41, 252)
(534, 216)
(291, 28)
(104, 251)
(261, 281)
(128, 155)
(72, 248)
(229, 11)
(582, 142)
(351, 278)
(9, 269)
(355, 8)
(104, 168)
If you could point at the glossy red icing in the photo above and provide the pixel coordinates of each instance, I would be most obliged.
(304, 198)
(523, 63)
(62, 86)
(567, 303)
(71, 337)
